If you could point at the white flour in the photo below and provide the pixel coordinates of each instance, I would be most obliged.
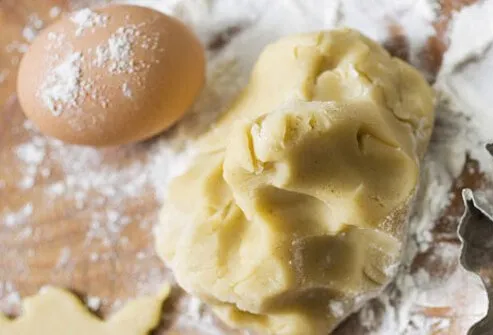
(33, 26)
(417, 303)
(85, 19)
(62, 85)
(464, 79)
(117, 55)
(68, 82)
(93, 302)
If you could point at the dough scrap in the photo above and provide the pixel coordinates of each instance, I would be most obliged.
(55, 311)
(295, 210)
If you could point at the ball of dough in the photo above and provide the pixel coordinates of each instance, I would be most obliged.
(294, 212)
(110, 76)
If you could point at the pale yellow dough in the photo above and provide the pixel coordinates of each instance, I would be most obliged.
(294, 212)
(55, 311)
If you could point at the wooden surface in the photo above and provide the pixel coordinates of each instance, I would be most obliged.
(60, 224)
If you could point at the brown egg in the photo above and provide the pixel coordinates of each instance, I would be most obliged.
(110, 76)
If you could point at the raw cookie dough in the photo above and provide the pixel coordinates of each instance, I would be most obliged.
(55, 311)
(295, 210)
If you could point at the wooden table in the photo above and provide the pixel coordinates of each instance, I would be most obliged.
(44, 239)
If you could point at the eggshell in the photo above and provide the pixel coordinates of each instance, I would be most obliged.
(110, 76)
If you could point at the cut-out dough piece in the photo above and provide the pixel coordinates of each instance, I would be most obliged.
(55, 311)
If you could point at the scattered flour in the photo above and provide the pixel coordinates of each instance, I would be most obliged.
(195, 315)
(29, 34)
(87, 19)
(64, 257)
(66, 85)
(33, 26)
(29, 153)
(126, 90)
(94, 303)
(337, 308)
(463, 80)
(55, 12)
(62, 86)
(117, 54)
(10, 296)
(118, 51)
(417, 302)
(19, 217)
(16, 48)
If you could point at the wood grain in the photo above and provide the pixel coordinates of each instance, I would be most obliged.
(31, 261)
